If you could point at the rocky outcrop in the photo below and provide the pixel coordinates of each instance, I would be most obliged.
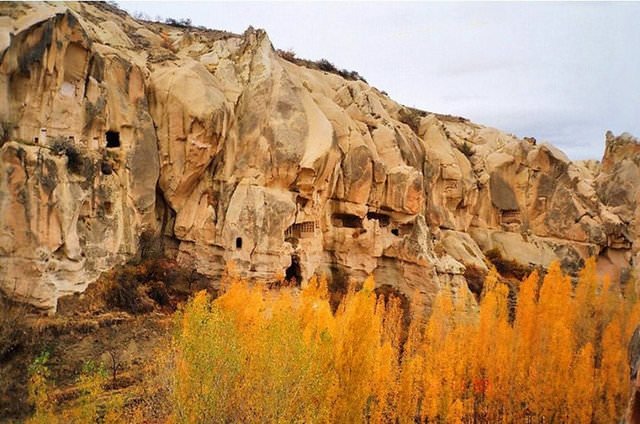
(617, 187)
(72, 203)
(632, 414)
(119, 130)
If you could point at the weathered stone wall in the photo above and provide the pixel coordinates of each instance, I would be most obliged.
(214, 140)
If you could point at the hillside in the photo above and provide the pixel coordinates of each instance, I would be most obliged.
(141, 162)
(121, 134)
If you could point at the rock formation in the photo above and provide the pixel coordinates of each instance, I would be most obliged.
(632, 414)
(116, 130)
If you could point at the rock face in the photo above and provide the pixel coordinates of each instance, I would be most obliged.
(632, 415)
(117, 131)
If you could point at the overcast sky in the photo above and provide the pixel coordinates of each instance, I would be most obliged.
(560, 72)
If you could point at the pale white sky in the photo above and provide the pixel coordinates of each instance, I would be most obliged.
(560, 72)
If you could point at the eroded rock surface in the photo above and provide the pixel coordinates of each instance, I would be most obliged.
(118, 130)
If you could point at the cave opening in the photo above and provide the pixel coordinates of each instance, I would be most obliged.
(106, 168)
(113, 139)
(238, 242)
(345, 220)
(302, 202)
(293, 274)
(384, 220)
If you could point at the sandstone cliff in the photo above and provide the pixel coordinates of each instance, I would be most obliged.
(116, 131)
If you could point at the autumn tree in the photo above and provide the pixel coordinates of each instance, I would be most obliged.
(557, 353)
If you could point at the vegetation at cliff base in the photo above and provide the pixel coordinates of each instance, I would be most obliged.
(557, 354)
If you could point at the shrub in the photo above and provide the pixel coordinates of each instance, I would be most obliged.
(467, 149)
(142, 287)
(325, 65)
(288, 55)
(91, 406)
(40, 390)
(129, 290)
(13, 328)
(411, 117)
(180, 23)
(321, 65)
(77, 163)
(5, 131)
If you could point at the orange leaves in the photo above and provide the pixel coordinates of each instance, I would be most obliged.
(581, 391)
(561, 358)
(283, 356)
(555, 355)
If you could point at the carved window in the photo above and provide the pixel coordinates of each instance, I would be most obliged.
(383, 220)
(300, 230)
(510, 217)
(113, 139)
(346, 220)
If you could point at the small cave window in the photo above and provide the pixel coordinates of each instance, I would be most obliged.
(383, 219)
(293, 273)
(346, 220)
(238, 242)
(302, 202)
(395, 232)
(108, 208)
(113, 139)
(510, 217)
(35, 140)
(106, 168)
(301, 230)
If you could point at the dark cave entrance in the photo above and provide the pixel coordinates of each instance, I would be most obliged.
(635, 407)
(293, 274)
(113, 139)
(383, 220)
(346, 220)
(238, 242)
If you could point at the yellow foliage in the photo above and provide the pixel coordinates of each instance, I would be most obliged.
(91, 406)
(543, 351)
(281, 357)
